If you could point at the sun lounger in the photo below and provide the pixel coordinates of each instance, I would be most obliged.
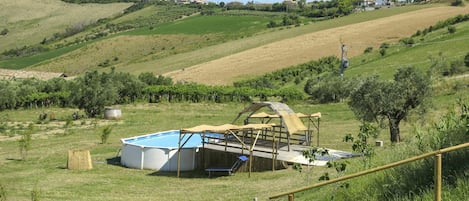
(229, 170)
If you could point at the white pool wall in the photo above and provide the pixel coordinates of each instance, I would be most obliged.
(157, 158)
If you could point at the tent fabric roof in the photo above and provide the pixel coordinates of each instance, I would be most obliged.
(292, 123)
(290, 119)
(224, 128)
(264, 115)
(300, 115)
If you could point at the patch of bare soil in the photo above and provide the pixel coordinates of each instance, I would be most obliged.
(301, 49)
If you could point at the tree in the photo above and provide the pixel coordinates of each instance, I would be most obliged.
(345, 6)
(93, 92)
(376, 99)
(466, 60)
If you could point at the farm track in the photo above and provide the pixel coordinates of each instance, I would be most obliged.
(301, 49)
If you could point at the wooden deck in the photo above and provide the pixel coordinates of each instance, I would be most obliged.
(295, 155)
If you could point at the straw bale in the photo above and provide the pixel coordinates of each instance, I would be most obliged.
(79, 160)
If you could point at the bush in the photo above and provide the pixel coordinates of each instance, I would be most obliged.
(368, 50)
(4, 32)
(106, 132)
(3, 193)
(466, 60)
(384, 46)
(418, 33)
(408, 41)
(457, 3)
(451, 29)
(382, 51)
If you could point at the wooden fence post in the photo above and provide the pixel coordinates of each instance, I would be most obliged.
(438, 177)
(291, 197)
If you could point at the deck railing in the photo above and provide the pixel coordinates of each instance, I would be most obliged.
(438, 171)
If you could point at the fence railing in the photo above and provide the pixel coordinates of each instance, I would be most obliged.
(438, 171)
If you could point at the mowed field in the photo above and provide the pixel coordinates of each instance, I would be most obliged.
(300, 49)
(30, 21)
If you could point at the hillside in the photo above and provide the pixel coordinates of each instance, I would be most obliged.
(30, 21)
(300, 49)
(219, 50)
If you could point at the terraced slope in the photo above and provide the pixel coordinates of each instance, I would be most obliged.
(288, 52)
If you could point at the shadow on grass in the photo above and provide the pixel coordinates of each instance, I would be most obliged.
(114, 161)
(196, 174)
(14, 159)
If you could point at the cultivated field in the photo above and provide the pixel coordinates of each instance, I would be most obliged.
(30, 21)
(300, 49)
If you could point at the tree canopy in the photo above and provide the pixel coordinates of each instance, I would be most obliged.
(376, 99)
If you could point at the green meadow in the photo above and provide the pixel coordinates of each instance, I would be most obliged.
(228, 35)
(43, 175)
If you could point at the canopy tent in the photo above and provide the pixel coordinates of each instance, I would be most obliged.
(245, 137)
(299, 115)
(289, 120)
(225, 129)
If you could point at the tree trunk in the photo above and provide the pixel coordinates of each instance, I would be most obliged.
(394, 128)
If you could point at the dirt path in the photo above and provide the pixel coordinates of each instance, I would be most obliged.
(293, 51)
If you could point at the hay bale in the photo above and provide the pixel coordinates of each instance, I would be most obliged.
(79, 160)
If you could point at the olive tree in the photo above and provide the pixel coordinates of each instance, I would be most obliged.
(376, 99)
(93, 92)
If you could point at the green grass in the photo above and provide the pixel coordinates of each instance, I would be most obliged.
(20, 63)
(227, 25)
(45, 167)
(207, 53)
(451, 46)
(30, 21)
(249, 32)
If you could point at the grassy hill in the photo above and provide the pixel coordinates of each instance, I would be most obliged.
(30, 21)
(44, 172)
(215, 39)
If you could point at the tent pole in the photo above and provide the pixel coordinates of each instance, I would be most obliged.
(250, 163)
(317, 141)
(203, 150)
(273, 153)
(179, 154)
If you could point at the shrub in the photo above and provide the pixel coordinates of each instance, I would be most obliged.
(3, 193)
(408, 41)
(382, 51)
(36, 194)
(466, 60)
(451, 29)
(457, 3)
(384, 46)
(456, 67)
(25, 142)
(105, 134)
(368, 50)
(4, 32)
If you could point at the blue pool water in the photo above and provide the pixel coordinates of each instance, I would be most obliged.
(166, 139)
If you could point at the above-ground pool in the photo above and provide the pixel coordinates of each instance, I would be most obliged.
(159, 151)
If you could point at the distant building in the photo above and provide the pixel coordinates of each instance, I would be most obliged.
(367, 3)
(191, 2)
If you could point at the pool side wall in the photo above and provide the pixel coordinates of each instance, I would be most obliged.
(157, 158)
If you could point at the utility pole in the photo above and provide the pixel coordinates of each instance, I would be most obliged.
(343, 61)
